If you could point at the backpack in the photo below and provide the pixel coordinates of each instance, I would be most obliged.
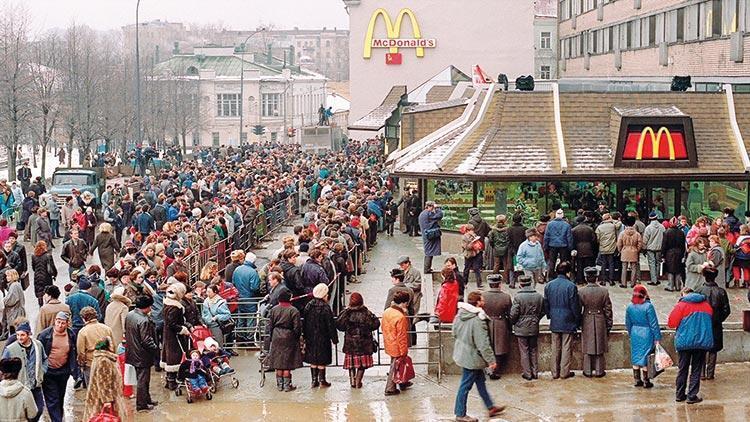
(743, 249)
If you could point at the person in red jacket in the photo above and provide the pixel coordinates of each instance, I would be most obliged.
(447, 300)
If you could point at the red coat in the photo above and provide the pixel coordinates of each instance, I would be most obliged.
(447, 302)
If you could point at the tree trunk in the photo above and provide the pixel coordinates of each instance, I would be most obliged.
(70, 150)
(33, 153)
(12, 154)
(44, 163)
(184, 143)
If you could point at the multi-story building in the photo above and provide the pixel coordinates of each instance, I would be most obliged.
(705, 39)
(545, 39)
(274, 95)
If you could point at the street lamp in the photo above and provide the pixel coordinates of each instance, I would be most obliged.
(138, 76)
(242, 79)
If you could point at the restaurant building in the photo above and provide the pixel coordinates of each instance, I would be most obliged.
(535, 152)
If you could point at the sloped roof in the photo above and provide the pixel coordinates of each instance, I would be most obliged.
(224, 66)
(375, 119)
(516, 138)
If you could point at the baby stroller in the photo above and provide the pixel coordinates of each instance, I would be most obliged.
(192, 392)
(211, 360)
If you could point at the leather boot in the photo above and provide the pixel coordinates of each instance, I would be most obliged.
(280, 383)
(352, 378)
(288, 384)
(359, 376)
(314, 376)
(171, 381)
(646, 382)
(322, 378)
(637, 378)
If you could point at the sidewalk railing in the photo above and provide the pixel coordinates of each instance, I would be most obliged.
(247, 236)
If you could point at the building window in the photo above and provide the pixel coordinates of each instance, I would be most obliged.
(710, 198)
(680, 25)
(271, 105)
(714, 18)
(652, 30)
(545, 72)
(274, 136)
(227, 105)
(455, 197)
(196, 139)
(243, 137)
(216, 139)
(546, 40)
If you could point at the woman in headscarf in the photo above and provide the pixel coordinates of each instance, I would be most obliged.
(357, 323)
(320, 331)
(105, 386)
(107, 244)
(643, 327)
(175, 333)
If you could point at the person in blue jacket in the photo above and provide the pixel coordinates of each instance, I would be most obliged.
(145, 222)
(563, 306)
(247, 282)
(530, 257)
(692, 319)
(643, 328)
(558, 240)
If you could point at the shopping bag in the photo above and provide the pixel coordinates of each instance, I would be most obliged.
(404, 370)
(106, 415)
(662, 360)
(130, 377)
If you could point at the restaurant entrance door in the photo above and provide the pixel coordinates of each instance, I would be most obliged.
(644, 197)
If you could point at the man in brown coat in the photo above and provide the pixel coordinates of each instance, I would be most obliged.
(51, 307)
(630, 244)
(497, 306)
(596, 323)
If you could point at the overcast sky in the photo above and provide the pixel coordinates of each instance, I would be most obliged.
(233, 14)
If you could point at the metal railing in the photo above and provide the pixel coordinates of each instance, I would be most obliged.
(248, 235)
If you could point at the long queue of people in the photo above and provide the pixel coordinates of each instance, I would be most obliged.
(143, 298)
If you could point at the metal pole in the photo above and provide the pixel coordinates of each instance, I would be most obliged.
(138, 76)
(242, 81)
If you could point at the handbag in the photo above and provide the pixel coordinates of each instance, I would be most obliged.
(658, 361)
(107, 414)
(129, 376)
(227, 326)
(24, 280)
(432, 234)
(404, 370)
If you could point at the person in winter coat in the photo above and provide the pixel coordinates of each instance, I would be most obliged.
(80, 300)
(558, 240)
(312, 274)
(397, 279)
(692, 318)
(471, 245)
(106, 383)
(699, 230)
(446, 305)
(52, 306)
(247, 282)
(563, 307)
(16, 401)
(74, 252)
(653, 237)
(175, 335)
(14, 301)
(43, 227)
(115, 314)
(530, 258)
(214, 311)
(696, 261)
(516, 236)
(596, 322)
(525, 314)
(107, 244)
(673, 250)
(606, 236)
(285, 329)
(716, 257)
(395, 326)
(643, 328)
(357, 323)
(472, 351)
(44, 269)
(630, 244)
(719, 301)
(33, 363)
(87, 338)
(412, 280)
(584, 245)
(59, 344)
(429, 224)
(142, 349)
(499, 240)
(497, 305)
(319, 330)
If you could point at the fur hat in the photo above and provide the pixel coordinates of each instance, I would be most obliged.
(176, 291)
(11, 366)
(320, 291)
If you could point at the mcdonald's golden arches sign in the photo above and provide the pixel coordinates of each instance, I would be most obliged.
(656, 142)
(393, 40)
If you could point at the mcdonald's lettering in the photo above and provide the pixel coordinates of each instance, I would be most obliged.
(645, 143)
(393, 40)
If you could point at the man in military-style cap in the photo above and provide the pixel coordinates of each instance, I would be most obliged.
(596, 323)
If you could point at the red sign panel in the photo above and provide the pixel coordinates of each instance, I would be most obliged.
(658, 143)
(393, 58)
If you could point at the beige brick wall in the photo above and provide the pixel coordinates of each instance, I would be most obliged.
(415, 126)
(706, 58)
(614, 12)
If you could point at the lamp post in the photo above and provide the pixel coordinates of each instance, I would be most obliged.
(138, 77)
(242, 80)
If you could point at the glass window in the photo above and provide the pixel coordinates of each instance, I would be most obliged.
(544, 72)
(227, 105)
(270, 105)
(582, 195)
(710, 198)
(715, 20)
(680, 24)
(274, 136)
(215, 137)
(455, 197)
(546, 40)
(509, 198)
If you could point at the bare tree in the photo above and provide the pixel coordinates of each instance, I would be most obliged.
(44, 69)
(15, 81)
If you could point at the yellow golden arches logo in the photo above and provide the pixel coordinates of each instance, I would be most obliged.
(655, 142)
(393, 32)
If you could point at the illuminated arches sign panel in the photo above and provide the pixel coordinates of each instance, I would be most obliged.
(656, 142)
(393, 40)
